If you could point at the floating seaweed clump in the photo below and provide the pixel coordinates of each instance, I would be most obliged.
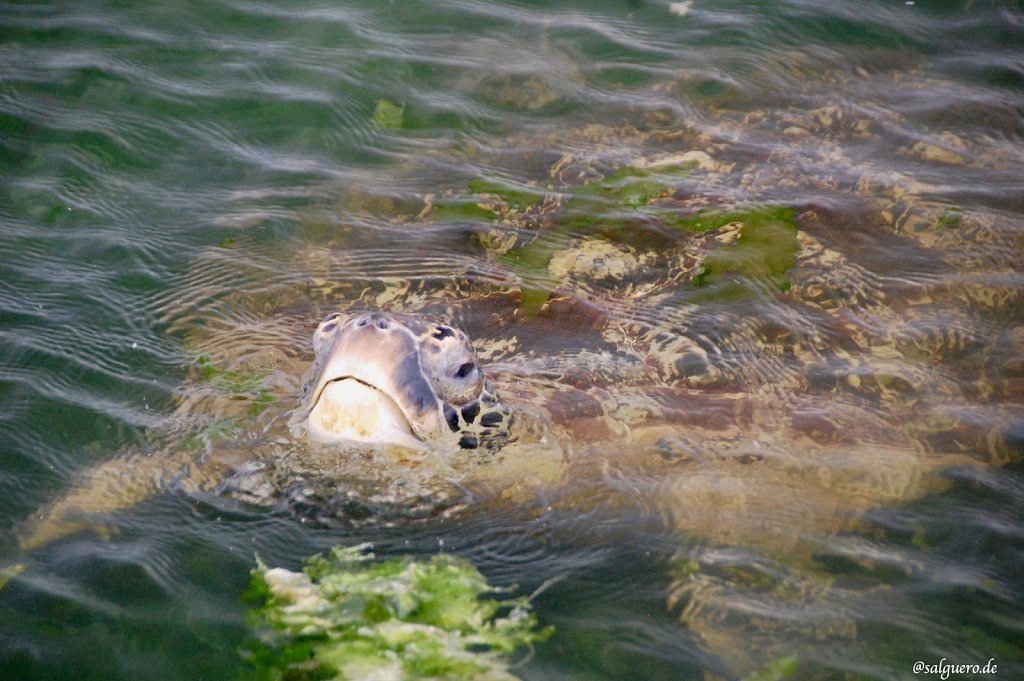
(350, 616)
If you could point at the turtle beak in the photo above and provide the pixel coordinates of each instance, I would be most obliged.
(349, 410)
(369, 387)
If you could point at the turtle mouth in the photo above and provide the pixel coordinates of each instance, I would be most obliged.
(349, 409)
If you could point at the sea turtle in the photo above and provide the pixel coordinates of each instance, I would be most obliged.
(655, 335)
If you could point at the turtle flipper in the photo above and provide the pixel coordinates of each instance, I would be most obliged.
(114, 485)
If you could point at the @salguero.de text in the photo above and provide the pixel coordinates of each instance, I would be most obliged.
(943, 668)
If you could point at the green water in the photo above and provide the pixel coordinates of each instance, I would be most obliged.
(826, 199)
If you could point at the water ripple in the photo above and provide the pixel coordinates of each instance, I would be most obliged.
(204, 180)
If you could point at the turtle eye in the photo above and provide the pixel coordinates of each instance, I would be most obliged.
(465, 370)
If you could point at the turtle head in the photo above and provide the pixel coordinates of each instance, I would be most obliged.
(384, 378)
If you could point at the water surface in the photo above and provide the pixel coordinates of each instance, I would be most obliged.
(189, 187)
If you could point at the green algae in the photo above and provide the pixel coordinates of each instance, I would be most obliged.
(461, 209)
(589, 208)
(387, 114)
(350, 616)
(631, 187)
(711, 219)
(227, 380)
(238, 385)
(231, 384)
(211, 431)
(628, 191)
(483, 193)
(760, 256)
(520, 198)
(530, 263)
(951, 217)
(763, 251)
(779, 669)
(766, 247)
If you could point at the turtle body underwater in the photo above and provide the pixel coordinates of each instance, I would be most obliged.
(632, 335)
